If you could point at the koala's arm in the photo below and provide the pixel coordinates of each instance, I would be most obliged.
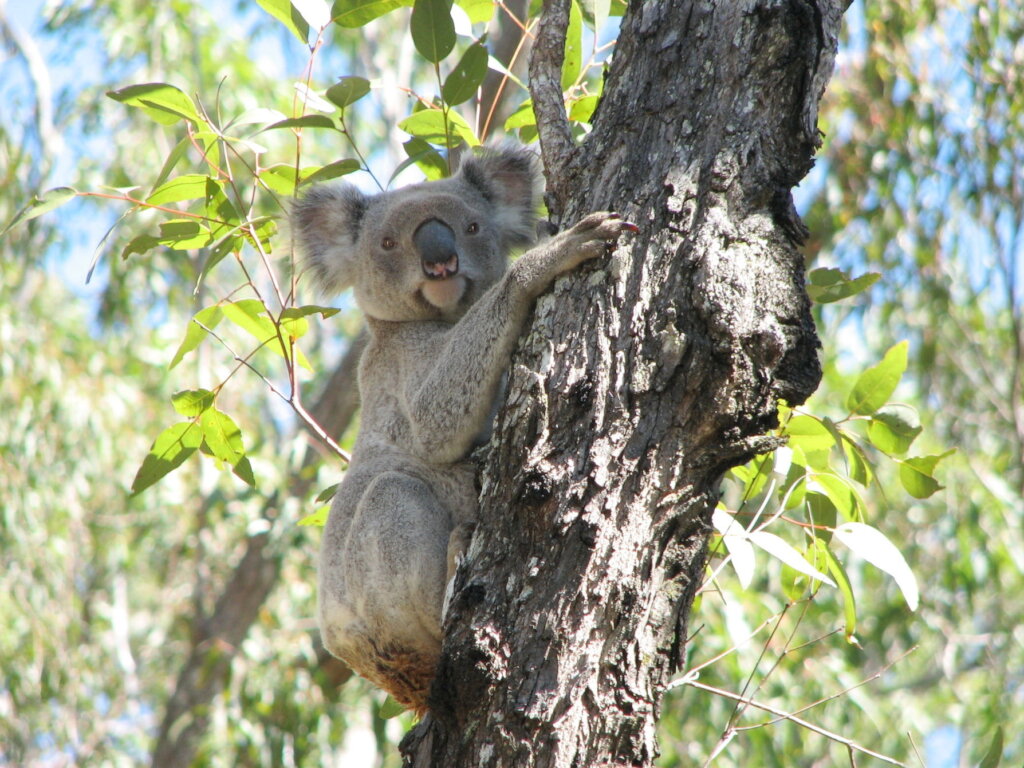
(451, 400)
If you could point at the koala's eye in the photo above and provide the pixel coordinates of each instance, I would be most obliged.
(473, 228)
(388, 243)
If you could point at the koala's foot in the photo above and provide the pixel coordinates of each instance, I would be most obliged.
(458, 543)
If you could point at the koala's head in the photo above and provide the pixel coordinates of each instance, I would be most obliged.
(426, 251)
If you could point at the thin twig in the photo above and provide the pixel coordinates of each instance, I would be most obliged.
(849, 743)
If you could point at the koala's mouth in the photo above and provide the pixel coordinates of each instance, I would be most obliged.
(444, 293)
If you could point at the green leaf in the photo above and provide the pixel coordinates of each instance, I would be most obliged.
(426, 158)
(332, 171)
(250, 316)
(822, 514)
(779, 549)
(243, 471)
(327, 493)
(195, 333)
(875, 386)
(872, 545)
(522, 117)
(229, 244)
(893, 428)
(47, 201)
(318, 518)
(840, 492)
(191, 186)
(994, 754)
(286, 13)
(860, 467)
(192, 402)
(433, 30)
(461, 85)
(347, 91)
(916, 475)
(478, 11)
(429, 124)
(356, 13)
(184, 234)
(582, 109)
(572, 64)
(737, 542)
(824, 559)
(828, 284)
(810, 440)
(390, 708)
(140, 244)
(595, 13)
(161, 102)
(222, 436)
(309, 309)
(169, 451)
(306, 121)
(179, 151)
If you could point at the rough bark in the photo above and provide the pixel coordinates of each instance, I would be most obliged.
(639, 383)
(218, 636)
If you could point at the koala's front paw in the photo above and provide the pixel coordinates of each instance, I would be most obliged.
(597, 234)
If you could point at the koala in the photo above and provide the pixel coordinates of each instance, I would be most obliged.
(428, 265)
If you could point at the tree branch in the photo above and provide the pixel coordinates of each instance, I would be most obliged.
(556, 142)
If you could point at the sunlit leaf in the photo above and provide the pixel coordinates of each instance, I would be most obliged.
(192, 402)
(572, 62)
(430, 125)
(740, 550)
(306, 121)
(191, 186)
(168, 452)
(875, 386)
(289, 15)
(872, 545)
(197, 330)
(824, 559)
(332, 171)
(917, 475)
(779, 549)
(222, 436)
(828, 284)
(478, 11)
(356, 13)
(318, 518)
(893, 428)
(42, 203)
(163, 103)
(840, 492)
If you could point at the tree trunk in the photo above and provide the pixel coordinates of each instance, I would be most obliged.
(639, 383)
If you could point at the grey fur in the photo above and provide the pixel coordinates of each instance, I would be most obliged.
(429, 381)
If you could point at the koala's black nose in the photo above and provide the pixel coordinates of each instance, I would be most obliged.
(439, 254)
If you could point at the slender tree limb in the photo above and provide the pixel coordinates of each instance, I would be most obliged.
(556, 142)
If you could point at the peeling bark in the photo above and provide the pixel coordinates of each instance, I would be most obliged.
(639, 382)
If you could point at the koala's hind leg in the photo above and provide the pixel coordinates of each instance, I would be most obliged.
(397, 558)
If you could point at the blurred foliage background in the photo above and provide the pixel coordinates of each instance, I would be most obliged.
(105, 596)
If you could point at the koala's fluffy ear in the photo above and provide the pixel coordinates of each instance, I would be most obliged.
(508, 177)
(325, 224)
